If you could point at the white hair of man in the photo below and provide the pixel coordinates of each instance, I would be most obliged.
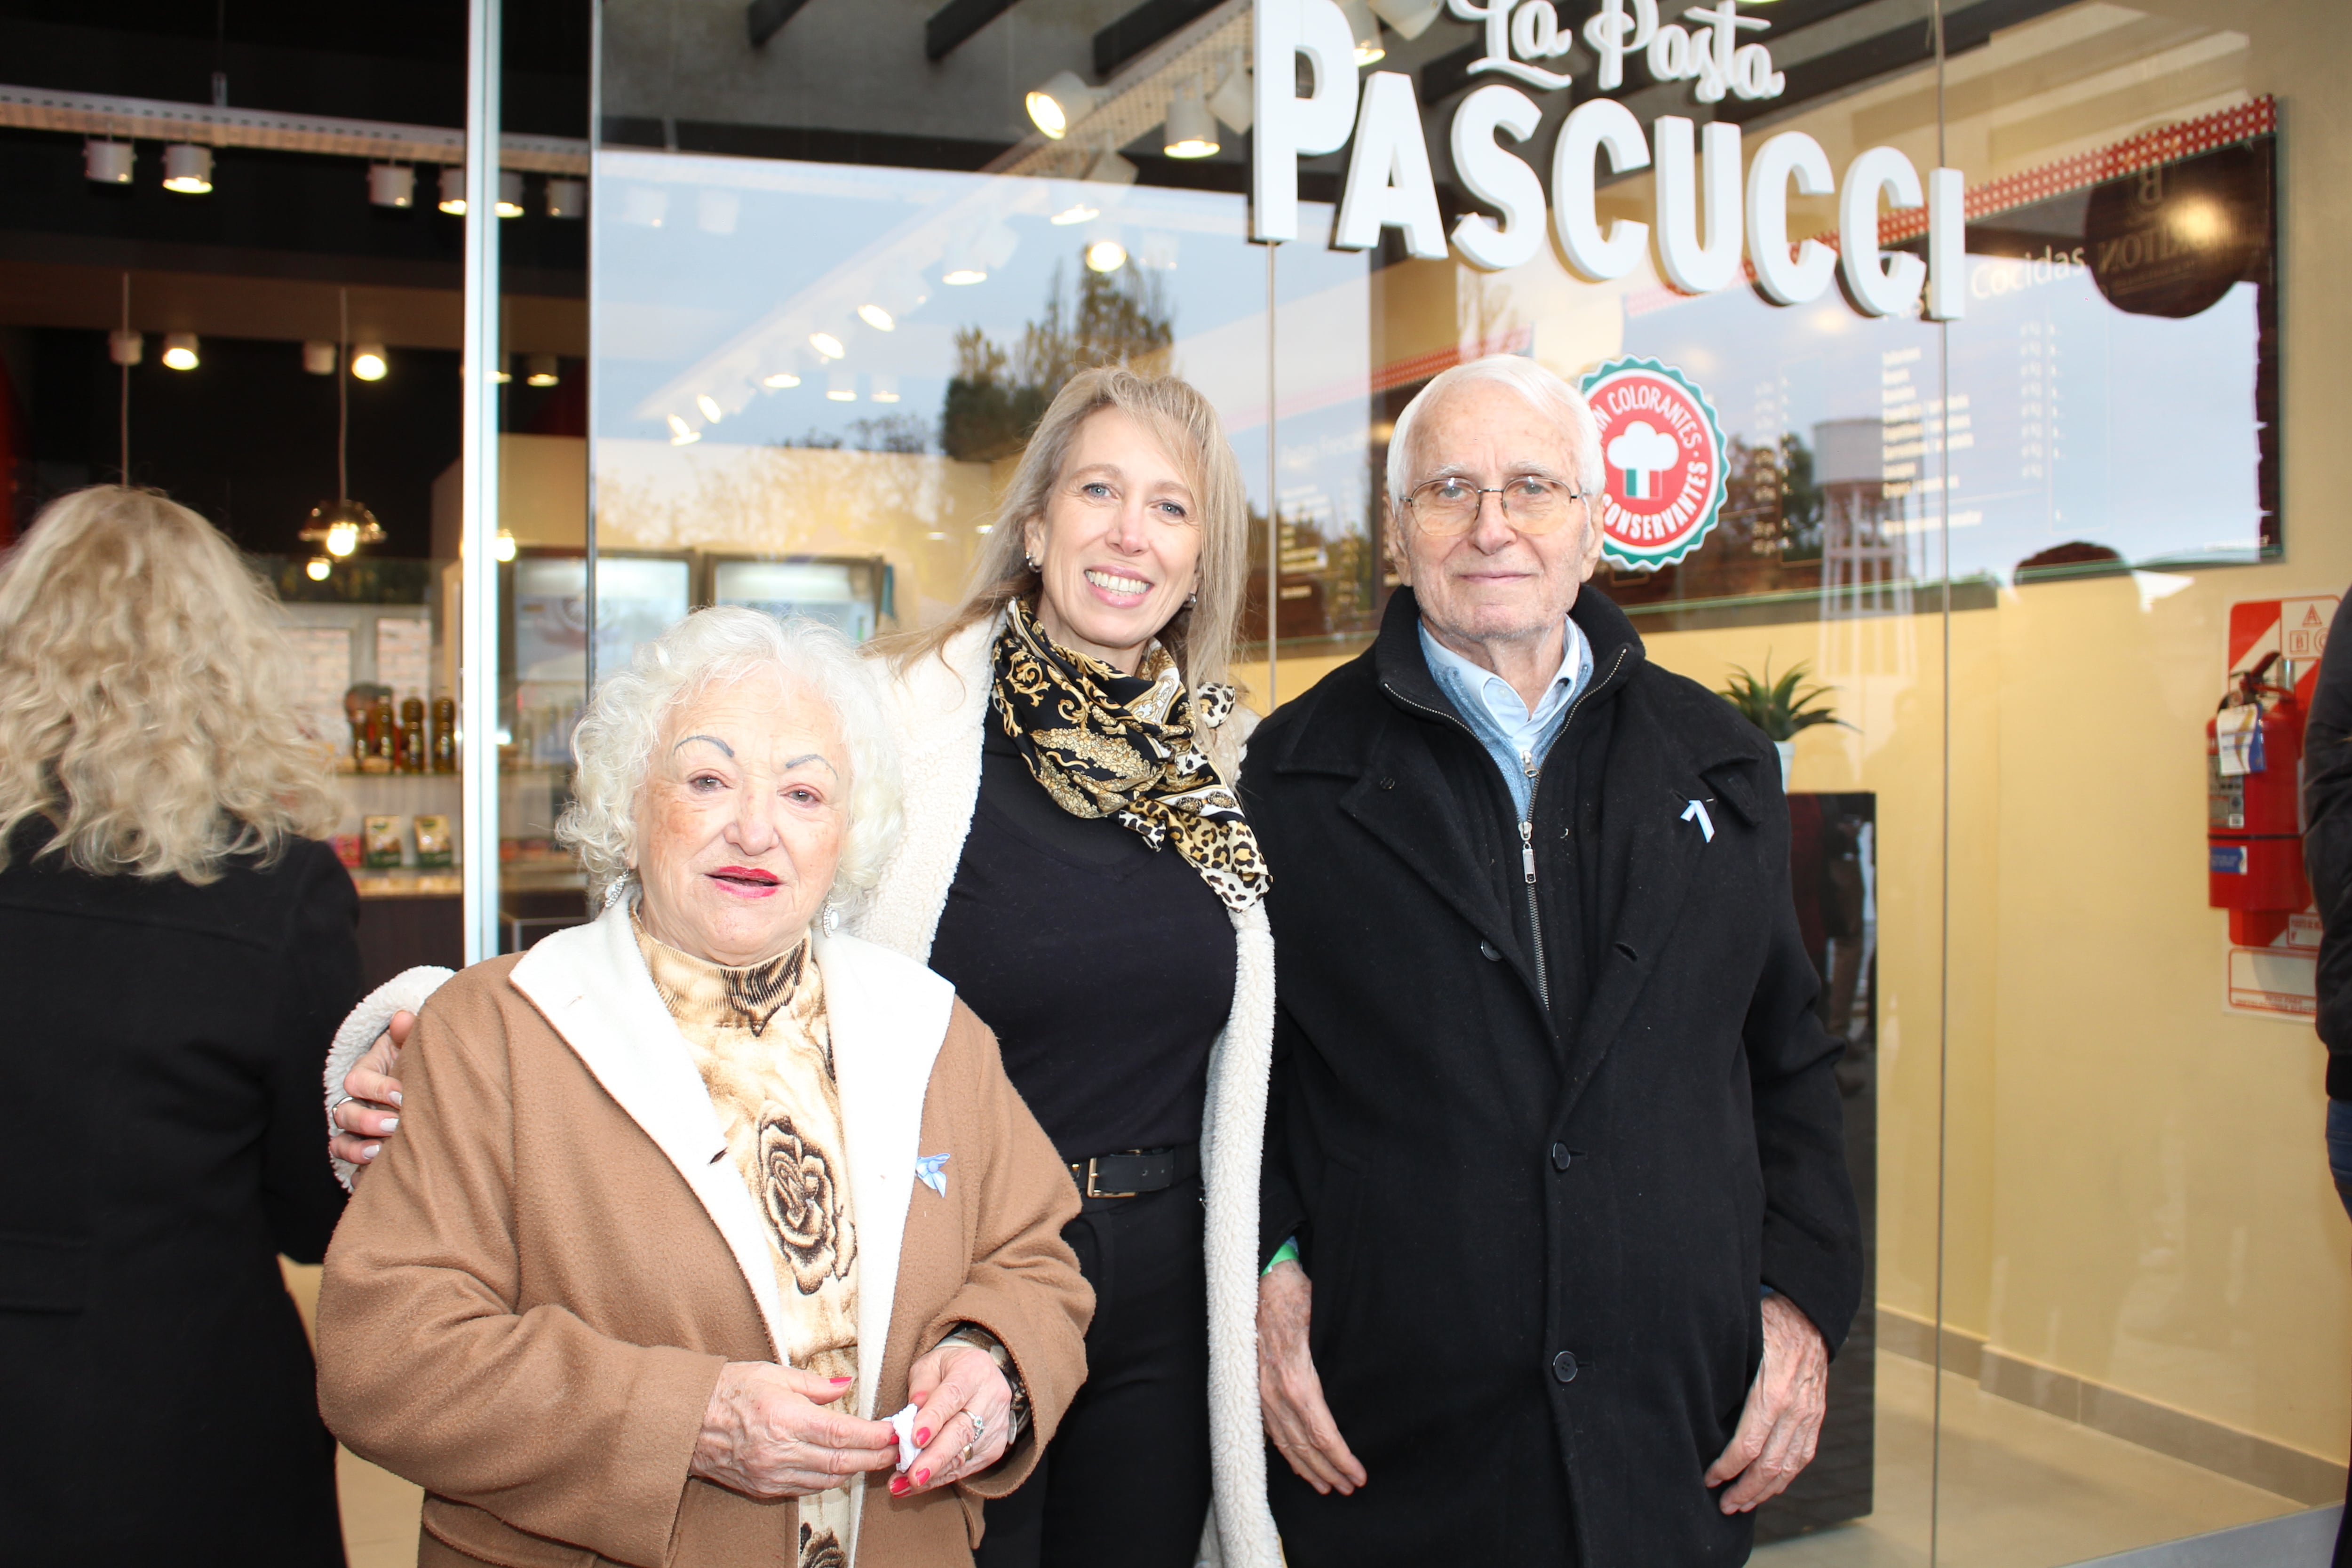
(1546, 392)
(617, 739)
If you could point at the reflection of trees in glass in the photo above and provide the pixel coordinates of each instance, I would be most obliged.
(904, 433)
(998, 393)
(1773, 508)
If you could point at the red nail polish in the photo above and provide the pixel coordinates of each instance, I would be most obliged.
(838, 1380)
(897, 1486)
(922, 1437)
(921, 1477)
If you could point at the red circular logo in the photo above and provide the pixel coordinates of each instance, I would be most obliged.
(1662, 450)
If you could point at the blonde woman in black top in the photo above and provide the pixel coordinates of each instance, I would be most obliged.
(1076, 863)
(179, 946)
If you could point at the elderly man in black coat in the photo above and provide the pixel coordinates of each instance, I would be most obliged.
(1555, 1186)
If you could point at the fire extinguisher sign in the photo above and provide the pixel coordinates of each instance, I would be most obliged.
(2254, 833)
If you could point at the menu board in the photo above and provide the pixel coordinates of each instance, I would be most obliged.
(404, 656)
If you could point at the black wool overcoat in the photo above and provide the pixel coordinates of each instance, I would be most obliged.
(1544, 1144)
(161, 1144)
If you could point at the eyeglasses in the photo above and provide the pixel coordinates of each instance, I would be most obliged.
(1530, 504)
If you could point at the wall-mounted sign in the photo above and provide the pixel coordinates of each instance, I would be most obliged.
(1704, 210)
(1662, 449)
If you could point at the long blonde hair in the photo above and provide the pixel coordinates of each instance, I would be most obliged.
(1200, 636)
(145, 704)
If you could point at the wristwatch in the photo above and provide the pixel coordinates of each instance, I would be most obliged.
(980, 1340)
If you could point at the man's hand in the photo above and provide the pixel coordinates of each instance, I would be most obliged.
(1295, 1417)
(372, 1112)
(1783, 1421)
(766, 1433)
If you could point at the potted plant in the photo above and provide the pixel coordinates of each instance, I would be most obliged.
(1779, 708)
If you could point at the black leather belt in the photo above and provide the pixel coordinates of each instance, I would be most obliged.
(1135, 1171)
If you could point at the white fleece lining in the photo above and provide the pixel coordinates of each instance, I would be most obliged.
(403, 992)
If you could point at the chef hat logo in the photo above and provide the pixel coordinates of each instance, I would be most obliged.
(1640, 450)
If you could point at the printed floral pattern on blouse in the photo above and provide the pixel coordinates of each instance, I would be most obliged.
(760, 1040)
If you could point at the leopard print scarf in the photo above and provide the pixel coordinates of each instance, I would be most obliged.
(1107, 745)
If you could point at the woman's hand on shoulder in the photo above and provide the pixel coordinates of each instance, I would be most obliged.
(766, 1433)
(370, 1112)
(965, 1419)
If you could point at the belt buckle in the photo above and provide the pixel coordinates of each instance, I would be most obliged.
(1090, 1183)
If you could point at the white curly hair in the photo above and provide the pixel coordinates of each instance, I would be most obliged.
(616, 741)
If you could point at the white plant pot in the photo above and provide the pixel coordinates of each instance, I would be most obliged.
(1788, 750)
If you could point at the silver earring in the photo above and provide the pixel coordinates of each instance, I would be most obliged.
(1192, 599)
(1032, 560)
(831, 918)
(613, 891)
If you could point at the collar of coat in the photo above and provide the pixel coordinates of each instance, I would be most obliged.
(888, 1017)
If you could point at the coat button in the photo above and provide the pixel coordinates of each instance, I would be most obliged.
(1560, 1157)
(1563, 1367)
(1490, 952)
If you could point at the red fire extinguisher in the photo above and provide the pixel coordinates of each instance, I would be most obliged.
(2253, 805)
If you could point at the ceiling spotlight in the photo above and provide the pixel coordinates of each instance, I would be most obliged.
(180, 351)
(566, 198)
(368, 362)
(316, 568)
(961, 276)
(499, 376)
(453, 190)
(709, 406)
(107, 162)
(392, 185)
(510, 194)
(319, 357)
(1105, 256)
(503, 547)
(1411, 18)
(342, 527)
(886, 389)
(1365, 28)
(876, 316)
(188, 169)
(841, 387)
(827, 344)
(781, 380)
(1078, 212)
(1233, 102)
(681, 434)
(1110, 169)
(541, 371)
(1191, 130)
(1061, 103)
(126, 348)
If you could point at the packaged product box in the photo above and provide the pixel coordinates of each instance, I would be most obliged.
(347, 849)
(433, 840)
(382, 838)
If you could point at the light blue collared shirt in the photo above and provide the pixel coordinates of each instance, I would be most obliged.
(1516, 738)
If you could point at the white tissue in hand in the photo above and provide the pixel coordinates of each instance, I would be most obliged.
(903, 1423)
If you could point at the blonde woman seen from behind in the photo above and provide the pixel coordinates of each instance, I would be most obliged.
(1076, 862)
(179, 946)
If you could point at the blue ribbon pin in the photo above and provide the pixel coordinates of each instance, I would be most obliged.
(928, 1172)
(1705, 822)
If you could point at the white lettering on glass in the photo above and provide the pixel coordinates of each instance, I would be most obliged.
(1389, 182)
(1786, 279)
(1288, 126)
(1497, 178)
(1691, 265)
(1593, 125)
(1882, 285)
(1495, 16)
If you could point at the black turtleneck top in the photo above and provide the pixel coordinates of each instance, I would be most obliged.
(1105, 967)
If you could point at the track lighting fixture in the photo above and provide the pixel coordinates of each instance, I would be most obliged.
(188, 169)
(1191, 130)
(180, 351)
(319, 357)
(540, 370)
(1061, 103)
(107, 162)
(368, 362)
(566, 198)
(392, 185)
(453, 190)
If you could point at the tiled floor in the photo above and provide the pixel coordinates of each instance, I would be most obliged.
(2020, 1489)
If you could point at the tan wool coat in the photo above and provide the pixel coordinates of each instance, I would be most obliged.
(535, 1288)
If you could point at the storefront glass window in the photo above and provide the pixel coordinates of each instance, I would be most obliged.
(1993, 471)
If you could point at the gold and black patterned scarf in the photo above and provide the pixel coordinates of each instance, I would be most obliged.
(1107, 745)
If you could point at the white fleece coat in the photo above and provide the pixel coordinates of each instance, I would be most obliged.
(938, 706)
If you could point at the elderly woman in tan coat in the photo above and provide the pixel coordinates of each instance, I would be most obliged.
(700, 1192)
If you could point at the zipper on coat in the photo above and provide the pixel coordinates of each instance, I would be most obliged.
(1535, 914)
